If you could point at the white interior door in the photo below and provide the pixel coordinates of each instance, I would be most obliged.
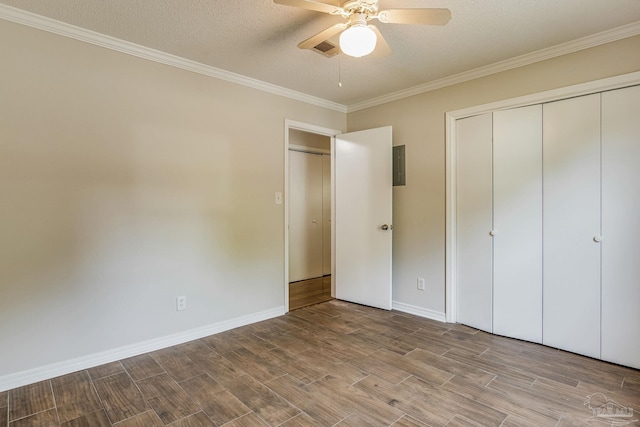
(517, 220)
(305, 210)
(571, 215)
(474, 222)
(363, 215)
(621, 226)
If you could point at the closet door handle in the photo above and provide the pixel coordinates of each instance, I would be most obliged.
(493, 233)
(597, 239)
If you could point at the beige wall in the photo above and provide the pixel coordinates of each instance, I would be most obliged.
(123, 184)
(419, 123)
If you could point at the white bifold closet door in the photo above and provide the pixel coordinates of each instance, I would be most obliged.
(621, 226)
(571, 215)
(517, 222)
(326, 215)
(474, 222)
(305, 216)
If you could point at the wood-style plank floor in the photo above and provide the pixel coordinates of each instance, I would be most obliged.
(335, 364)
(308, 292)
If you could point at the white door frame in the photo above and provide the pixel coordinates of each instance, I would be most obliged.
(611, 83)
(306, 127)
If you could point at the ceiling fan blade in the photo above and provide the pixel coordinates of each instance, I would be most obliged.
(415, 16)
(323, 35)
(312, 5)
(382, 47)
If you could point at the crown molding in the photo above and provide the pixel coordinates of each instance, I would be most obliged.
(587, 42)
(67, 30)
(33, 20)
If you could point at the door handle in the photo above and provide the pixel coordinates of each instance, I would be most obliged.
(493, 233)
(597, 239)
(386, 227)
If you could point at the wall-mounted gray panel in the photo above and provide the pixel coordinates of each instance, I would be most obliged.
(399, 175)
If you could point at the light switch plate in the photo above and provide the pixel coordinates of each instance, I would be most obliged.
(181, 303)
(278, 198)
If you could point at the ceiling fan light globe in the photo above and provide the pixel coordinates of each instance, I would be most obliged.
(358, 40)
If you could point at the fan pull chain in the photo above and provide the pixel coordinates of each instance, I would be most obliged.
(339, 71)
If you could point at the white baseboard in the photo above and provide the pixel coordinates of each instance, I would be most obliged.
(31, 376)
(419, 311)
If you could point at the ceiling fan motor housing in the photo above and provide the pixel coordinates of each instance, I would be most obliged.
(366, 7)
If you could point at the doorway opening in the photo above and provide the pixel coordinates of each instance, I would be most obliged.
(361, 214)
(308, 215)
(309, 218)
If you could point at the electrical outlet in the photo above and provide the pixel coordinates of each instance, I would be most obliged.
(181, 303)
(420, 284)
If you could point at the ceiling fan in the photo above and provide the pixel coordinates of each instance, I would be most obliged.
(358, 38)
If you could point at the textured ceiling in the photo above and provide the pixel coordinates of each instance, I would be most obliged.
(258, 39)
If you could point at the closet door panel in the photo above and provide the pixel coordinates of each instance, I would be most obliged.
(305, 216)
(621, 226)
(517, 221)
(474, 222)
(571, 218)
(326, 215)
